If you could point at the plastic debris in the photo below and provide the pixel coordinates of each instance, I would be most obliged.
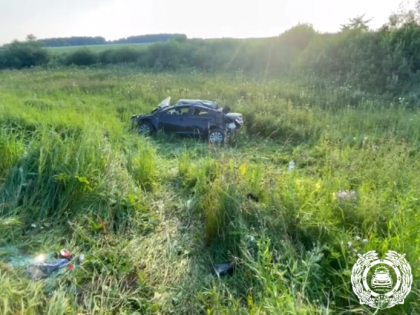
(18, 261)
(190, 204)
(65, 254)
(346, 195)
(42, 270)
(44, 265)
(223, 269)
(292, 166)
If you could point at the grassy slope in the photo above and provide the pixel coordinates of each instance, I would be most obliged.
(173, 207)
(95, 48)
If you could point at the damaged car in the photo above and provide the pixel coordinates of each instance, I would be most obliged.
(191, 118)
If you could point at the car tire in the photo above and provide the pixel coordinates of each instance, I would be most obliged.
(217, 136)
(146, 128)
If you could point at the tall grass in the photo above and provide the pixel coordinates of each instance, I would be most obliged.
(154, 215)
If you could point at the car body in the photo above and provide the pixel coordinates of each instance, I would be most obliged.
(381, 279)
(192, 118)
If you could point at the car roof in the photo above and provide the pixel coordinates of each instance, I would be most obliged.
(189, 105)
(205, 103)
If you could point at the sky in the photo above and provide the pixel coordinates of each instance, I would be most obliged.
(115, 19)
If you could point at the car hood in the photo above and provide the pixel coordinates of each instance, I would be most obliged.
(137, 117)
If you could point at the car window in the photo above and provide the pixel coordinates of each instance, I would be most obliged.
(201, 112)
(184, 110)
(170, 112)
(177, 111)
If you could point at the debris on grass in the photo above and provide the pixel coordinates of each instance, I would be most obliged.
(66, 254)
(346, 195)
(44, 265)
(223, 269)
(43, 270)
(292, 166)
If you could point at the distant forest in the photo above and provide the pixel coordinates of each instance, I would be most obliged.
(98, 40)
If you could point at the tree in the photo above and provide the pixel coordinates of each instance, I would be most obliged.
(405, 16)
(30, 38)
(358, 23)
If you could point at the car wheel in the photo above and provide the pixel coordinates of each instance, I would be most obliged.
(146, 128)
(216, 136)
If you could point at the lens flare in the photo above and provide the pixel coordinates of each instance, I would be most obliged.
(40, 258)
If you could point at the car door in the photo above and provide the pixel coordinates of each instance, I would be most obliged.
(172, 120)
(198, 120)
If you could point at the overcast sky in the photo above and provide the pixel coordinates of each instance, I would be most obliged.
(197, 18)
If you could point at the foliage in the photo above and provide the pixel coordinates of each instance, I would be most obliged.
(98, 40)
(72, 41)
(151, 38)
(81, 57)
(26, 54)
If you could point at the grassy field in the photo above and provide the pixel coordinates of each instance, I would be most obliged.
(94, 48)
(152, 215)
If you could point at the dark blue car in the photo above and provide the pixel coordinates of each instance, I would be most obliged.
(191, 118)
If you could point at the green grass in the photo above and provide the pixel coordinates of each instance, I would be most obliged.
(153, 215)
(94, 48)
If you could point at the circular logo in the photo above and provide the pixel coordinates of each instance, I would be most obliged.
(381, 283)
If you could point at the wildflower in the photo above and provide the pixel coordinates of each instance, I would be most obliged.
(358, 238)
(365, 241)
(350, 244)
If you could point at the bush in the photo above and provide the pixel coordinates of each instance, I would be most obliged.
(19, 55)
(123, 55)
(82, 57)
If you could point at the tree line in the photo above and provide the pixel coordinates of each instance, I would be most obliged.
(379, 61)
(99, 40)
(72, 41)
(141, 39)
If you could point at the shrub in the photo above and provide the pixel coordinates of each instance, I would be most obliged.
(23, 54)
(82, 57)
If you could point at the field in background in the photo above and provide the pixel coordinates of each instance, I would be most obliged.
(153, 215)
(95, 48)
